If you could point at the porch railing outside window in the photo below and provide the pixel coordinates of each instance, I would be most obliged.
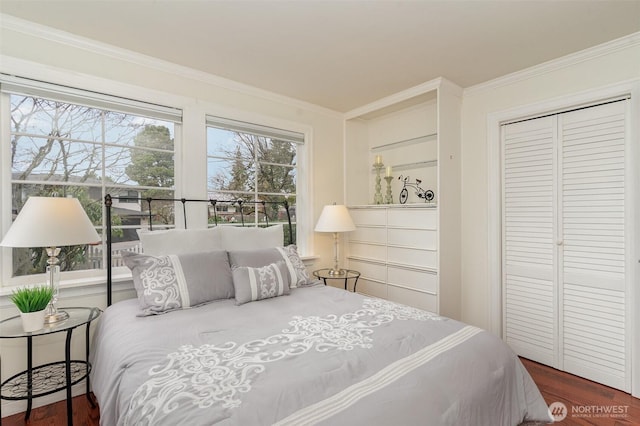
(62, 148)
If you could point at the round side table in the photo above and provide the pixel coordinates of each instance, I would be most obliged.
(347, 274)
(49, 378)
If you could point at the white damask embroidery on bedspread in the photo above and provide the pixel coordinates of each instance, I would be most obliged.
(217, 374)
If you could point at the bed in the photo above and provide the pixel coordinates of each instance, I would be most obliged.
(300, 353)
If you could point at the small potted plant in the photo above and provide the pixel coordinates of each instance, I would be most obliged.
(32, 303)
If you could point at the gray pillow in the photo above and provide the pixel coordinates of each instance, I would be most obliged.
(298, 275)
(167, 283)
(253, 284)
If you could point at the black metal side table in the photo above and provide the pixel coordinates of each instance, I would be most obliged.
(347, 274)
(48, 378)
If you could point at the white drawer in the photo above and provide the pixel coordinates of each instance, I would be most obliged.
(418, 280)
(369, 235)
(415, 238)
(367, 251)
(416, 218)
(369, 216)
(372, 288)
(413, 257)
(375, 271)
(428, 302)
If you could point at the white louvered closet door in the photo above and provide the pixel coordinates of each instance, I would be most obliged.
(593, 257)
(564, 249)
(529, 269)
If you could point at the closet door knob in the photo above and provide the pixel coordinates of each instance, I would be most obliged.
(559, 242)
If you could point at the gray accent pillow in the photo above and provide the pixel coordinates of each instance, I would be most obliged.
(298, 275)
(167, 283)
(253, 284)
(302, 276)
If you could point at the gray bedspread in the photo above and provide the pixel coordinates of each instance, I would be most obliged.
(318, 356)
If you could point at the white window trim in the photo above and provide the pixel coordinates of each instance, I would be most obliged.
(193, 128)
(42, 89)
(304, 212)
(90, 84)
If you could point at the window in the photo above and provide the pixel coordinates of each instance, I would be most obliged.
(251, 162)
(71, 143)
(131, 196)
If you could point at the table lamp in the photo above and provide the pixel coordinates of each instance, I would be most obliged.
(335, 218)
(51, 222)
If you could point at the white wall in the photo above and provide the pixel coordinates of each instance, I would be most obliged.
(545, 82)
(600, 70)
(44, 54)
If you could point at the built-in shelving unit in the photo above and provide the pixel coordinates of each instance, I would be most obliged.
(410, 252)
(395, 248)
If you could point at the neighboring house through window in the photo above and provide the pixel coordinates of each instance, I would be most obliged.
(62, 141)
(66, 142)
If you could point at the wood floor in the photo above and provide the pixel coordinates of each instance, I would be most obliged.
(581, 396)
(554, 385)
(56, 415)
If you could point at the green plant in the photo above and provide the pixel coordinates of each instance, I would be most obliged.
(32, 299)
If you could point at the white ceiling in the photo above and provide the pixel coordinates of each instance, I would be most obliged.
(342, 54)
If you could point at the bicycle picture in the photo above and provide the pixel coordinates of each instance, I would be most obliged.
(427, 195)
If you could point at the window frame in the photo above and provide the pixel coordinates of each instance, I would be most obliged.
(304, 212)
(189, 181)
(26, 87)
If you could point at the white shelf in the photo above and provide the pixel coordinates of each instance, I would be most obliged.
(416, 165)
(406, 142)
(395, 206)
(408, 166)
(417, 133)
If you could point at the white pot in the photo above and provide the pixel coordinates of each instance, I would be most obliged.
(32, 321)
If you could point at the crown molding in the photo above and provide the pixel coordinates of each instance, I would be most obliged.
(557, 64)
(51, 34)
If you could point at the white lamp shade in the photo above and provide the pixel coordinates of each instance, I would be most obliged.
(51, 222)
(335, 218)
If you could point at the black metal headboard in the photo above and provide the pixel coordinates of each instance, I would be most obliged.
(108, 202)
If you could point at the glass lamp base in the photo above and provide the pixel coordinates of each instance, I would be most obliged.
(336, 272)
(56, 317)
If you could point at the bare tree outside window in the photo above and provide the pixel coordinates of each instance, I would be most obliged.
(63, 149)
(252, 167)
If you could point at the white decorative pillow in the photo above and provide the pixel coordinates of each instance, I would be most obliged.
(180, 241)
(298, 274)
(253, 284)
(167, 283)
(249, 238)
